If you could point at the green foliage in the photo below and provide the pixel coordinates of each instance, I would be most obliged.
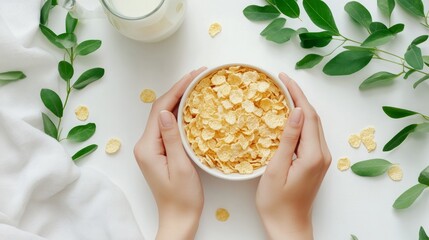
(378, 38)
(415, 7)
(386, 6)
(315, 39)
(321, 15)
(371, 167)
(407, 198)
(378, 79)
(359, 13)
(422, 234)
(289, 8)
(261, 13)
(68, 43)
(353, 237)
(347, 62)
(424, 176)
(11, 76)
(309, 61)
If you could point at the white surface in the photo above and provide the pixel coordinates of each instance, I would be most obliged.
(134, 8)
(345, 204)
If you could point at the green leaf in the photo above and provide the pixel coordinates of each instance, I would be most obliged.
(354, 237)
(377, 79)
(408, 73)
(52, 101)
(371, 167)
(272, 2)
(359, 13)
(378, 38)
(424, 177)
(289, 8)
(309, 61)
(396, 113)
(397, 28)
(347, 62)
(88, 77)
(321, 15)
(68, 40)
(315, 39)
(12, 76)
(422, 79)
(301, 30)
(260, 13)
(84, 152)
(414, 7)
(409, 197)
(422, 234)
(87, 47)
(71, 23)
(414, 57)
(273, 27)
(81, 133)
(399, 137)
(420, 39)
(51, 36)
(44, 12)
(49, 127)
(386, 6)
(65, 70)
(281, 36)
(376, 26)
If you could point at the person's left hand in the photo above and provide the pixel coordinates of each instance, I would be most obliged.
(169, 172)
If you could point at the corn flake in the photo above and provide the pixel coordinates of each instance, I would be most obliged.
(215, 29)
(395, 172)
(343, 164)
(113, 145)
(222, 214)
(147, 96)
(354, 140)
(82, 113)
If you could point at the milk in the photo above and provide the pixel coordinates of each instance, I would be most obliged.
(145, 20)
(135, 8)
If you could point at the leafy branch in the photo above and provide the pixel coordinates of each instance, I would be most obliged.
(68, 43)
(11, 76)
(357, 54)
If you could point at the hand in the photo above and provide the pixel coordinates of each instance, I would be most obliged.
(287, 189)
(169, 172)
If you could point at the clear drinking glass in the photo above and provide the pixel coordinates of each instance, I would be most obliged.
(145, 20)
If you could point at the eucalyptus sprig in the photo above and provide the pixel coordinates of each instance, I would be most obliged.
(11, 76)
(357, 54)
(394, 112)
(407, 198)
(68, 43)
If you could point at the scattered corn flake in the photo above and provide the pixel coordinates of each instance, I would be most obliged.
(354, 140)
(367, 132)
(222, 214)
(395, 172)
(82, 113)
(147, 96)
(214, 29)
(369, 144)
(234, 118)
(113, 145)
(343, 164)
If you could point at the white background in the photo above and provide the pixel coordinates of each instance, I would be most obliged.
(346, 204)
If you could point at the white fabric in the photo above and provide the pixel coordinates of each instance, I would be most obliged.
(43, 194)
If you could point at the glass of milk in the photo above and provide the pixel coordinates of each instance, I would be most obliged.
(145, 20)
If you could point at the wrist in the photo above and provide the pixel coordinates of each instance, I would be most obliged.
(177, 227)
(288, 228)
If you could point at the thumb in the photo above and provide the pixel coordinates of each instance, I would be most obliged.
(282, 159)
(172, 141)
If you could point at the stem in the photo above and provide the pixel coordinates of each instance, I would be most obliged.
(426, 24)
(401, 64)
(335, 49)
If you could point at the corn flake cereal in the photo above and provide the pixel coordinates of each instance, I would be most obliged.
(214, 29)
(233, 119)
(222, 214)
(147, 96)
(343, 164)
(395, 172)
(354, 140)
(82, 113)
(113, 145)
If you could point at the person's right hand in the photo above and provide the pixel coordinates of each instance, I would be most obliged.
(287, 189)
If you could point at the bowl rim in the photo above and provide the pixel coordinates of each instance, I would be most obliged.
(188, 149)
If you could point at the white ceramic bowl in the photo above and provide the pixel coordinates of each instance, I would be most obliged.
(214, 171)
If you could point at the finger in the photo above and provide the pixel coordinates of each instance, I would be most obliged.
(167, 102)
(309, 143)
(279, 165)
(177, 160)
(324, 146)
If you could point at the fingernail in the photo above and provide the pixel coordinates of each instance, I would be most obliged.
(166, 119)
(295, 117)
